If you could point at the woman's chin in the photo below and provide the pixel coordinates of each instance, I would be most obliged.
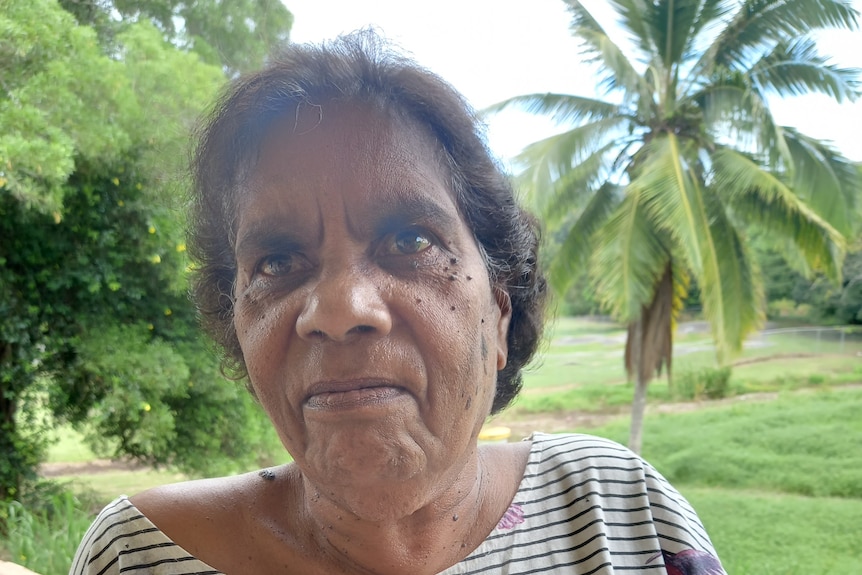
(367, 456)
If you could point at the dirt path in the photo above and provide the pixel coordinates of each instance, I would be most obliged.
(524, 425)
(61, 469)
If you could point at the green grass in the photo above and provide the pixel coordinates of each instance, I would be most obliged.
(771, 534)
(108, 485)
(69, 447)
(44, 535)
(804, 443)
(580, 367)
(778, 484)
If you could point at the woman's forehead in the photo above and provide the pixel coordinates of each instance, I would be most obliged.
(373, 158)
(362, 124)
(313, 141)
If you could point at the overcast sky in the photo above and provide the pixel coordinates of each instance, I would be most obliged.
(493, 49)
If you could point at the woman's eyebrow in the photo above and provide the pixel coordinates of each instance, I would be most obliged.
(414, 209)
(265, 235)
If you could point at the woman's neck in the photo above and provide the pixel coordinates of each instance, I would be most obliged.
(413, 528)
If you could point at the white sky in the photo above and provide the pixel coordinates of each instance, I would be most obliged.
(494, 49)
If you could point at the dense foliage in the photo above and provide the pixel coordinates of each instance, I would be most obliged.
(661, 177)
(95, 325)
(236, 35)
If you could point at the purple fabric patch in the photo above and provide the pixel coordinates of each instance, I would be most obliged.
(514, 515)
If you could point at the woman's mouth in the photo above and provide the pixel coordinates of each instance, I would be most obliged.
(337, 397)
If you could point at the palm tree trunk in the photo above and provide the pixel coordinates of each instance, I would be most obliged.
(641, 382)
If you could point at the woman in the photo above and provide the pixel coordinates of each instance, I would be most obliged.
(363, 261)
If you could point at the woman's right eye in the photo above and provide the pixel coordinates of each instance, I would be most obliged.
(276, 266)
(406, 243)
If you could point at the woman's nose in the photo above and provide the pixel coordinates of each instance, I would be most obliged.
(344, 303)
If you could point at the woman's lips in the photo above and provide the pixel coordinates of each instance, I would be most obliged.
(342, 397)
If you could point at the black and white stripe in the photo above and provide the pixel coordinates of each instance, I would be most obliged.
(589, 506)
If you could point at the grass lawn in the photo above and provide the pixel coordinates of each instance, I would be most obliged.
(69, 447)
(765, 533)
(778, 484)
(580, 367)
(106, 486)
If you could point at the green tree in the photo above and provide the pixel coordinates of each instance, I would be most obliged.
(56, 85)
(237, 35)
(96, 328)
(664, 171)
(816, 297)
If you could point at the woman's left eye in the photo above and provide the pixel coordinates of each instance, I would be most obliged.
(407, 243)
(276, 266)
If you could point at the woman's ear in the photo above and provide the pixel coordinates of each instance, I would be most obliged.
(504, 304)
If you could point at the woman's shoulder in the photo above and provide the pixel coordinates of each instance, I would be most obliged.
(184, 505)
(122, 538)
(590, 461)
(579, 449)
(225, 509)
(186, 524)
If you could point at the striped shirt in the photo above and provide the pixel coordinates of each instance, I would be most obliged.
(584, 506)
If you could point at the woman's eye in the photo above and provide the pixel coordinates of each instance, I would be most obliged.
(276, 265)
(408, 243)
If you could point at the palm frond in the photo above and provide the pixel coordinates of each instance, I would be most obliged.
(658, 324)
(733, 301)
(795, 18)
(638, 18)
(567, 163)
(671, 198)
(736, 113)
(671, 23)
(628, 259)
(762, 198)
(827, 181)
(563, 151)
(795, 68)
(712, 14)
(616, 72)
(563, 108)
(566, 193)
(758, 24)
(676, 202)
(574, 252)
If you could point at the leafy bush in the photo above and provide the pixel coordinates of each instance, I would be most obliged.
(708, 382)
(44, 528)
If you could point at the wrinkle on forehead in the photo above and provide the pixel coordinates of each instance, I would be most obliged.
(397, 155)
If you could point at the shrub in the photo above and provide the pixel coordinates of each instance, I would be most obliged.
(44, 528)
(708, 382)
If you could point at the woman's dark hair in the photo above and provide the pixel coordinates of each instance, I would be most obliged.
(360, 68)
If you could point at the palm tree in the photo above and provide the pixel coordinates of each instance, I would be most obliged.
(660, 177)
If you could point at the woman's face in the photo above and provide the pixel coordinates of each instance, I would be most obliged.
(365, 314)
